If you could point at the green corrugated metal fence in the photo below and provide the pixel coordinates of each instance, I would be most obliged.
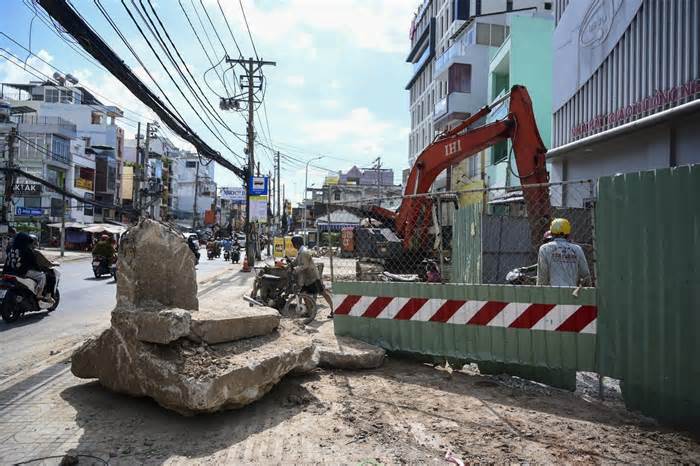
(648, 251)
(466, 243)
(548, 356)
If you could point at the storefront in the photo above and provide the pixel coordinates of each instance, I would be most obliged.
(626, 87)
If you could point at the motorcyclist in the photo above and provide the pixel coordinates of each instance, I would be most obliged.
(104, 249)
(23, 260)
(308, 276)
(193, 243)
(226, 244)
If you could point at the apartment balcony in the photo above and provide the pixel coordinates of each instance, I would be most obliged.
(455, 107)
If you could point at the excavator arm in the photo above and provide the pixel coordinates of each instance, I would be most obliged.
(452, 147)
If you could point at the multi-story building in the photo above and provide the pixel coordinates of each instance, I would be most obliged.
(190, 171)
(82, 181)
(626, 88)
(94, 122)
(42, 149)
(524, 58)
(450, 47)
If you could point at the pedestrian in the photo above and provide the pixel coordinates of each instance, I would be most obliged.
(560, 262)
(308, 276)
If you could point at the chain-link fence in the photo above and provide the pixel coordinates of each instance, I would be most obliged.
(474, 236)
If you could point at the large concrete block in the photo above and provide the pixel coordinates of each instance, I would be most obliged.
(345, 352)
(156, 268)
(234, 322)
(188, 377)
(155, 326)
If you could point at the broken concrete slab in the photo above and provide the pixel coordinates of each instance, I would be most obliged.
(191, 378)
(156, 326)
(232, 321)
(345, 352)
(155, 268)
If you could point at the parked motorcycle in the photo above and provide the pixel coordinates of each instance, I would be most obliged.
(522, 276)
(278, 287)
(18, 295)
(101, 266)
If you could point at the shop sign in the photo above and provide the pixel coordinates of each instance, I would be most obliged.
(27, 189)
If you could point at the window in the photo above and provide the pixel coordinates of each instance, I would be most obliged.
(60, 149)
(473, 166)
(497, 35)
(499, 152)
(32, 202)
(66, 96)
(478, 7)
(191, 164)
(56, 207)
(483, 34)
(51, 95)
(509, 5)
(96, 118)
(460, 78)
(336, 196)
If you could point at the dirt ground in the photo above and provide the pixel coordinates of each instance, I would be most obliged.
(404, 412)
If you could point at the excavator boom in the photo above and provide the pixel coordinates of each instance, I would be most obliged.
(452, 147)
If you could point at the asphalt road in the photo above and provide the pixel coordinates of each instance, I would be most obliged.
(84, 310)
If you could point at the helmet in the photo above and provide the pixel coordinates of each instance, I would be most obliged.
(104, 237)
(297, 241)
(560, 226)
(35, 240)
(547, 236)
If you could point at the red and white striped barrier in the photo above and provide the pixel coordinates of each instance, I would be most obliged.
(552, 317)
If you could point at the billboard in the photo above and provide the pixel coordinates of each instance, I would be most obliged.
(235, 195)
(258, 185)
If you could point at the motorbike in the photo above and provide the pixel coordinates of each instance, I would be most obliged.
(101, 266)
(227, 256)
(235, 255)
(521, 276)
(278, 287)
(113, 269)
(18, 295)
(211, 254)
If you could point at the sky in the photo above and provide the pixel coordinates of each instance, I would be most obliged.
(337, 91)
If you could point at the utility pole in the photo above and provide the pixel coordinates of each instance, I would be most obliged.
(279, 183)
(63, 218)
(252, 73)
(138, 170)
(144, 172)
(9, 177)
(196, 194)
(378, 161)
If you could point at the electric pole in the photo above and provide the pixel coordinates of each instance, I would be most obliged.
(253, 72)
(279, 183)
(144, 172)
(63, 218)
(196, 194)
(9, 177)
(378, 161)
(138, 169)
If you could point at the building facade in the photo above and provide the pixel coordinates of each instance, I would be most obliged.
(451, 46)
(188, 176)
(626, 87)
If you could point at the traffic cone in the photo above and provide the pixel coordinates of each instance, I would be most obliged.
(246, 267)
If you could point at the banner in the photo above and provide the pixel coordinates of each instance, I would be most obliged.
(235, 195)
(258, 209)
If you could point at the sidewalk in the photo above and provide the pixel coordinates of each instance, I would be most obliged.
(54, 254)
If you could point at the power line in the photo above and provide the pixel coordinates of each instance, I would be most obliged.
(95, 45)
(248, 28)
(230, 31)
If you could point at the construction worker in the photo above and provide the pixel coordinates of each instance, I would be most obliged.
(308, 277)
(559, 262)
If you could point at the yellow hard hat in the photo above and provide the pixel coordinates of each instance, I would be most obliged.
(560, 226)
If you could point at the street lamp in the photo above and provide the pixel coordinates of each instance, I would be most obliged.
(306, 186)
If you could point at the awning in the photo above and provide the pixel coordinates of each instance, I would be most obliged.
(105, 228)
(77, 225)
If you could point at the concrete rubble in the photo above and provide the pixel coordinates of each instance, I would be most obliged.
(223, 356)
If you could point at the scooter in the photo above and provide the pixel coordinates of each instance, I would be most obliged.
(18, 295)
(100, 266)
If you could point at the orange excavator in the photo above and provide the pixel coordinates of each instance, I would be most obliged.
(412, 221)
